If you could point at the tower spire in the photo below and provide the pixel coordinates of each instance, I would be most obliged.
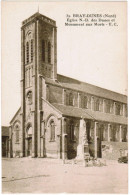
(38, 9)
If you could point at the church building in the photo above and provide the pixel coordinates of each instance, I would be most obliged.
(55, 109)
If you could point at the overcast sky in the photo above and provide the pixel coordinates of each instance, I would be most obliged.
(97, 55)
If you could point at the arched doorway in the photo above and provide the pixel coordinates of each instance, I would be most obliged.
(29, 141)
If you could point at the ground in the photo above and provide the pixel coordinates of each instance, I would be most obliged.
(40, 175)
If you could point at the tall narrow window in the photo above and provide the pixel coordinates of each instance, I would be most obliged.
(43, 50)
(31, 50)
(52, 131)
(108, 107)
(27, 52)
(85, 103)
(118, 108)
(97, 105)
(71, 99)
(49, 52)
(17, 133)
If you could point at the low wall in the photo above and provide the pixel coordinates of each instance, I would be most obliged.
(114, 150)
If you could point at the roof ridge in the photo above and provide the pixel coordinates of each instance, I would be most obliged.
(92, 85)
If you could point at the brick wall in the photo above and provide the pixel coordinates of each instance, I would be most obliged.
(55, 94)
(51, 147)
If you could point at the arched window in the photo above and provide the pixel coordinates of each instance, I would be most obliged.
(17, 133)
(31, 50)
(71, 99)
(85, 102)
(27, 52)
(29, 97)
(29, 131)
(43, 50)
(97, 104)
(49, 52)
(52, 131)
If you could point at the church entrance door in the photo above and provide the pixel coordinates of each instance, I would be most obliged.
(29, 146)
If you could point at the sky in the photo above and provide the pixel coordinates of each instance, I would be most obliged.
(96, 55)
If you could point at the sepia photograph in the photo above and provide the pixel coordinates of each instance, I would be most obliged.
(64, 126)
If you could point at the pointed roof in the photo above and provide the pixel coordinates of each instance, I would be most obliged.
(39, 16)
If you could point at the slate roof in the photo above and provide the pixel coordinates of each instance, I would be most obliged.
(72, 111)
(70, 83)
(5, 131)
(89, 114)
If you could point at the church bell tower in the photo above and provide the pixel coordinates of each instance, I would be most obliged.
(38, 59)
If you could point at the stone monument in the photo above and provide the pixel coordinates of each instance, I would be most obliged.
(83, 148)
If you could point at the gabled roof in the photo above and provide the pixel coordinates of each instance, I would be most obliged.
(70, 83)
(5, 131)
(89, 114)
(15, 114)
